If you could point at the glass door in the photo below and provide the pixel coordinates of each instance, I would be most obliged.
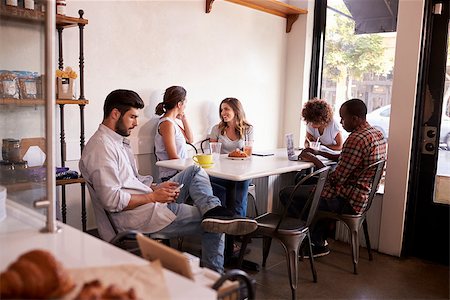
(427, 222)
(27, 32)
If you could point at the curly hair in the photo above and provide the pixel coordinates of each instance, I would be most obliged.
(317, 111)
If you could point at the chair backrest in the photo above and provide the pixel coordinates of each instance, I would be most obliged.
(378, 167)
(204, 145)
(192, 148)
(106, 229)
(310, 208)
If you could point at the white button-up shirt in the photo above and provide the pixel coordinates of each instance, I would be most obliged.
(110, 172)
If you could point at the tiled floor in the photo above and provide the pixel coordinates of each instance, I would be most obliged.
(385, 277)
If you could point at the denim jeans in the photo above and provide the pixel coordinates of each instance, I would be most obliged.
(189, 218)
(239, 207)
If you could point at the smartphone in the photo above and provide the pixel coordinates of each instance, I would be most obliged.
(179, 187)
(263, 153)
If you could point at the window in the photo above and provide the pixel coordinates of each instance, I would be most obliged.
(357, 65)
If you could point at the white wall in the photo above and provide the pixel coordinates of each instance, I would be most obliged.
(409, 28)
(233, 51)
(148, 46)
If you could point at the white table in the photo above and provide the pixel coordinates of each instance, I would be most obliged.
(19, 233)
(239, 170)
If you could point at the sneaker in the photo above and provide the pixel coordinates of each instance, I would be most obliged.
(218, 211)
(318, 251)
(229, 225)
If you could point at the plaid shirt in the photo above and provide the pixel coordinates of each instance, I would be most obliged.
(363, 147)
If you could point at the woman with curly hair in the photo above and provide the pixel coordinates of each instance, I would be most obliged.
(318, 116)
(232, 131)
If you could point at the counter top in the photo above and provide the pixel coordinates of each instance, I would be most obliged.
(20, 232)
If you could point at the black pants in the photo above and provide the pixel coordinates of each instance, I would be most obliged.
(323, 227)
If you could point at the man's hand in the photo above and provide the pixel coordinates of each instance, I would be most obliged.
(308, 154)
(167, 184)
(164, 195)
(310, 150)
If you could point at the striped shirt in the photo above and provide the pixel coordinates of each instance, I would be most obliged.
(364, 146)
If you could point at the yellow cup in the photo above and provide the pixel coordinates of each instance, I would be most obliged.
(204, 160)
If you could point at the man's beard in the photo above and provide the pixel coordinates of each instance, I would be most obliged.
(121, 128)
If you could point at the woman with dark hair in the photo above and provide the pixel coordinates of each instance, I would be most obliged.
(320, 125)
(170, 138)
(232, 131)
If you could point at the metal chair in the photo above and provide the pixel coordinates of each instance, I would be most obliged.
(110, 233)
(354, 222)
(122, 239)
(290, 232)
(204, 144)
(246, 287)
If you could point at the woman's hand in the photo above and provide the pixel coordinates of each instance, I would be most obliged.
(181, 116)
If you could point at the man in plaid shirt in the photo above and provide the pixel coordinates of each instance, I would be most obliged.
(344, 191)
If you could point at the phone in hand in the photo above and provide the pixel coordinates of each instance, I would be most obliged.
(179, 187)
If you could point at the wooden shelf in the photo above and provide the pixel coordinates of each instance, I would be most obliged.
(278, 8)
(37, 16)
(22, 102)
(73, 101)
(65, 21)
(69, 181)
(23, 186)
(33, 102)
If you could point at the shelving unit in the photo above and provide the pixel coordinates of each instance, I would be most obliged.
(62, 22)
(278, 8)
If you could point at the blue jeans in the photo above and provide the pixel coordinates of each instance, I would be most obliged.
(239, 206)
(189, 218)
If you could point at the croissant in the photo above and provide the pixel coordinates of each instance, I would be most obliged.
(237, 153)
(95, 290)
(35, 275)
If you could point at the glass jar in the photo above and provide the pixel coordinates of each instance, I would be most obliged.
(12, 151)
(4, 149)
(61, 7)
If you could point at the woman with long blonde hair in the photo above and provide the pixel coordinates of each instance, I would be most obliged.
(232, 131)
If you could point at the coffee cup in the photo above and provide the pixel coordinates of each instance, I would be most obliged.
(215, 150)
(314, 145)
(203, 160)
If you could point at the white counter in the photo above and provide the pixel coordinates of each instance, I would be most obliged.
(19, 233)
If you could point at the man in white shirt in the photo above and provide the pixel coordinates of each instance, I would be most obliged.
(136, 203)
